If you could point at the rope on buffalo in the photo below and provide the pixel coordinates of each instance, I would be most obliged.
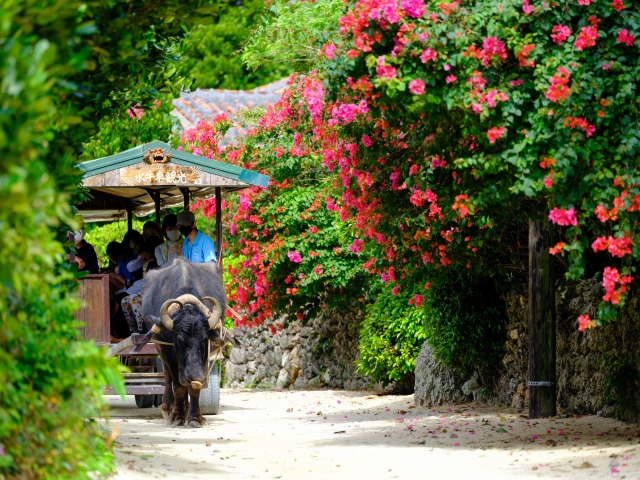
(197, 385)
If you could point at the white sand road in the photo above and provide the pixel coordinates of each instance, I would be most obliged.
(341, 434)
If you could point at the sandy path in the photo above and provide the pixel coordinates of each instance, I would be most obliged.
(337, 434)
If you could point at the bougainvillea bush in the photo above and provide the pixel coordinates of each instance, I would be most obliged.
(460, 121)
(297, 253)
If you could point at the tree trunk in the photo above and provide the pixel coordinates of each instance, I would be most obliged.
(542, 322)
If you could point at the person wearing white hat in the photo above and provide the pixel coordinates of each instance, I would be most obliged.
(85, 256)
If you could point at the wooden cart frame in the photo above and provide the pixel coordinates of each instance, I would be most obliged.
(139, 181)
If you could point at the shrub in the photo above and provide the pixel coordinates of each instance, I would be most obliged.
(464, 319)
(391, 336)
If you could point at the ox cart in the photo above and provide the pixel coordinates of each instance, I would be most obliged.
(146, 179)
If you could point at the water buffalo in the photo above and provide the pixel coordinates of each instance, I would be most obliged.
(173, 306)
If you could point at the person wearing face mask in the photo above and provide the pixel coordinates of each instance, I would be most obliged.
(172, 248)
(196, 247)
(85, 256)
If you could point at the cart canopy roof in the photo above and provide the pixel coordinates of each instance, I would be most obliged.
(135, 179)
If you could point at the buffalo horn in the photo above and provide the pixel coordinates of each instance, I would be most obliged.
(216, 313)
(188, 298)
(167, 322)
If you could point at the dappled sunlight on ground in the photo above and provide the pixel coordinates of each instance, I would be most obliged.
(337, 434)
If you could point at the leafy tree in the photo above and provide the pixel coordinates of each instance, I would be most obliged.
(63, 65)
(213, 59)
(293, 33)
(129, 127)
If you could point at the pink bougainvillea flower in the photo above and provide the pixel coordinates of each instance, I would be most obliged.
(294, 256)
(564, 218)
(366, 140)
(577, 122)
(428, 54)
(385, 71)
(413, 8)
(450, 78)
(526, 8)
(584, 2)
(560, 33)
(318, 269)
(625, 38)
(586, 38)
(559, 90)
(493, 49)
(495, 133)
(329, 50)
(548, 181)
(416, 87)
(610, 279)
(618, 5)
(416, 300)
(356, 246)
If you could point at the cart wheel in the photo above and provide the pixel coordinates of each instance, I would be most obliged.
(157, 401)
(210, 396)
(145, 401)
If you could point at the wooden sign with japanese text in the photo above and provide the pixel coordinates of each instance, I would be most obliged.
(159, 174)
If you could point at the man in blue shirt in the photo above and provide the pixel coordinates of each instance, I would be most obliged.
(197, 247)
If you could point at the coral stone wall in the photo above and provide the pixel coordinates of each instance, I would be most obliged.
(319, 354)
(597, 370)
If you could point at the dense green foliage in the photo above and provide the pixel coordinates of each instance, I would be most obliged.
(129, 127)
(293, 33)
(464, 319)
(213, 57)
(391, 336)
(100, 235)
(63, 64)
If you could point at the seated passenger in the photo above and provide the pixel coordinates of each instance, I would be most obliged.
(196, 247)
(151, 229)
(85, 256)
(172, 247)
(132, 303)
(135, 242)
(146, 254)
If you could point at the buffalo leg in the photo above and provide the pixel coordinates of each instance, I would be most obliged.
(181, 404)
(196, 420)
(167, 396)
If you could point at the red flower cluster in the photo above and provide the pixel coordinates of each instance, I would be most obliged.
(611, 278)
(559, 90)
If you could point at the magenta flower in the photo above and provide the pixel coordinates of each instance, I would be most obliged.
(294, 256)
(414, 8)
(416, 87)
(625, 38)
(562, 217)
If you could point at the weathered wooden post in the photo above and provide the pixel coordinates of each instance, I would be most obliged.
(219, 224)
(129, 216)
(185, 197)
(542, 322)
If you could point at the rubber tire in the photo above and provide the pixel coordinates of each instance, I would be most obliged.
(210, 396)
(145, 401)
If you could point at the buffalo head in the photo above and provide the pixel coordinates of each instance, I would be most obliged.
(193, 326)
